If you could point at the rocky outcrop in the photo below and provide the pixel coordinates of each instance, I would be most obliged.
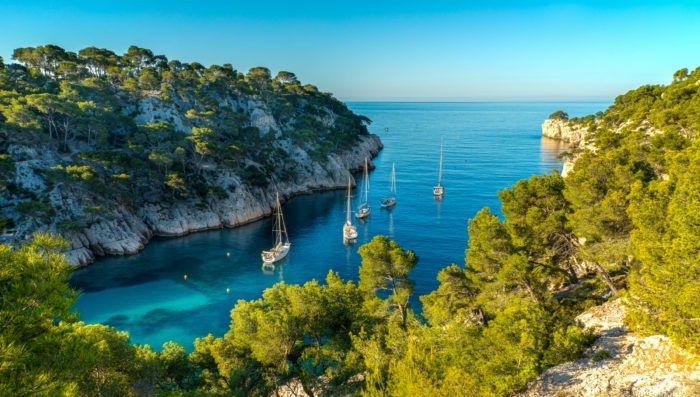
(563, 130)
(119, 232)
(295, 151)
(571, 133)
(122, 231)
(620, 363)
(151, 109)
(577, 135)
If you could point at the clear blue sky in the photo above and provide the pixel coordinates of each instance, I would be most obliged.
(392, 50)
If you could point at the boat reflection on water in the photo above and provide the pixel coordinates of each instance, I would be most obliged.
(274, 270)
(391, 223)
(438, 202)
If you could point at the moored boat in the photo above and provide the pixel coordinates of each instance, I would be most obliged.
(439, 190)
(282, 245)
(349, 230)
(390, 200)
(364, 209)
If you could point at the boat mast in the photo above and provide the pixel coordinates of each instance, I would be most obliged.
(347, 218)
(393, 179)
(366, 182)
(279, 220)
(440, 173)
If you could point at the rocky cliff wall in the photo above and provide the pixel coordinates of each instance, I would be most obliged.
(573, 134)
(124, 231)
(563, 130)
(97, 225)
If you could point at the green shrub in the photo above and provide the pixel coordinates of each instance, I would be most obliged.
(218, 192)
(36, 209)
(567, 344)
(600, 355)
(256, 176)
(559, 115)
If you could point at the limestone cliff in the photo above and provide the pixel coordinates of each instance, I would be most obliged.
(123, 230)
(578, 133)
(187, 155)
(564, 130)
(569, 132)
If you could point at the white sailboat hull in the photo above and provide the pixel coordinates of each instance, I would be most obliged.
(349, 232)
(363, 212)
(439, 190)
(364, 209)
(388, 202)
(282, 245)
(277, 253)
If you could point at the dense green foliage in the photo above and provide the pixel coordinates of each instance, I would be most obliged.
(665, 281)
(337, 337)
(138, 127)
(629, 208)
(43, 351)
(627, 218)
(559, 115)
(635, 203)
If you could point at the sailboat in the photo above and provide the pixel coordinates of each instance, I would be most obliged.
(439, 190)
(364, 209)
(281, 248)
(349, 230)
(390, 200)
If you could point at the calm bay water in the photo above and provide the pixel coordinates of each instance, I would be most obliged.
(487, 147)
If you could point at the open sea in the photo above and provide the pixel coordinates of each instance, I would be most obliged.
(488, 146)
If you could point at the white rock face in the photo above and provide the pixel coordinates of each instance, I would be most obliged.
(152, 110)
(637, 366)
(264, 121)
(573, 134)
(563, 131)
(577, 136)
(568, 166)
(123, 231)
(26, 176)
(112, 228)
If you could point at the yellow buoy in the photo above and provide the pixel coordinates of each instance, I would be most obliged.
(185, 277)
(228, 254)
(228, 290)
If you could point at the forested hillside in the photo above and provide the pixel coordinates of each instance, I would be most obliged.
(109, 149)
(625, 222)
(635, 203)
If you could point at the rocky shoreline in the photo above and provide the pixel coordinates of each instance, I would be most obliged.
(120, 229)
(125, 231)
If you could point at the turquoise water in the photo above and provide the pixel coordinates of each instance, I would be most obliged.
(487, 147)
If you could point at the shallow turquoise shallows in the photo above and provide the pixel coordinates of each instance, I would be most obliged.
(487, 147)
